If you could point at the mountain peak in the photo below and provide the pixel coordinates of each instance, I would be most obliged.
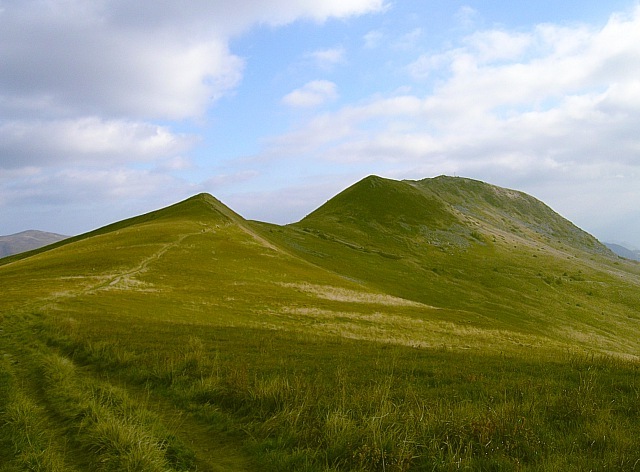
(382, 200)
(211, 203)
(448, 209)
(200, 206)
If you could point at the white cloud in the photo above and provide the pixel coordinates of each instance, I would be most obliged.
(497, 45)
(139, 59)
(87, 89)
(312, 94)
(144, 59)
(79, 63)
(426, 64)
(327, 58)
(85, 141)
(279, 12)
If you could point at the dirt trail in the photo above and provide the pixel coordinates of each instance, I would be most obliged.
(126, 278)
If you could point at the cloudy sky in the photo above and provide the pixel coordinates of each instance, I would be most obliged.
(111, 108)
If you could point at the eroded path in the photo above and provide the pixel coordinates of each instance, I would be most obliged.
(61, 414)
(127, 279)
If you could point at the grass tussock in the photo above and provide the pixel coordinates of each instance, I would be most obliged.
(121, 433)
(24, 434)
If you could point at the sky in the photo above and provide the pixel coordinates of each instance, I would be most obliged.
(112, 108)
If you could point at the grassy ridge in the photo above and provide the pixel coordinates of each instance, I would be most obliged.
(389, 330)
(536, 273)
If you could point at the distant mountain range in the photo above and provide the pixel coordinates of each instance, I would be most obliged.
(622, 251)
(26, 241)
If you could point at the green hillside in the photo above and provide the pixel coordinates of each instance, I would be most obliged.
(441, 324)
(500, 259)
(378, 206)
(447, 211)
(509, 211)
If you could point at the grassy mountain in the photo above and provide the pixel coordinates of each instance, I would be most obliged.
(499, 258)
(450, 211)
(376, 205)
(26, 241)
(415, 325)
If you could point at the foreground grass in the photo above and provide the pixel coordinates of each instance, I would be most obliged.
(56, 417)
(297, 401)
(303, 402)
(25, 441)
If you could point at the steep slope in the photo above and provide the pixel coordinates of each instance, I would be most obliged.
(26, 241)
(502, 257)
(501, 211)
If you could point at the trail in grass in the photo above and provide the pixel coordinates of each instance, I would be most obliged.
(46, 434)
(126, 277)
(58, 435)
(214, 451)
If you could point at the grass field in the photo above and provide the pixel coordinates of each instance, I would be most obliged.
(191, 339)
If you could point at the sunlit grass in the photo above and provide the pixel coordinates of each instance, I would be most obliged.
(366, 405)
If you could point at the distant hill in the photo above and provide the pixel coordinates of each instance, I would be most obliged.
(624, 252)
(454, 243)
(26, 241)
(448, 212)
